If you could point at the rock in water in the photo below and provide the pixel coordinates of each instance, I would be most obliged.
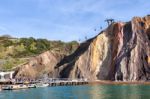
(121, 52)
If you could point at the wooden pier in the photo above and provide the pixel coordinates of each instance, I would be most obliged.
(67, 83)
(50, 81)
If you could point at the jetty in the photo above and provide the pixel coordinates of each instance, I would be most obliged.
(67, 82)
(8, 82)
(17, 84)
(53, 81)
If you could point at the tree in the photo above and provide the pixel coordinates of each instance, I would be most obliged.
(7, 43)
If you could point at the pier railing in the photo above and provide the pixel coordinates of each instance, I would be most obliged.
(48, 80)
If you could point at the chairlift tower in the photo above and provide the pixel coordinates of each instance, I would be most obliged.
(109, 21)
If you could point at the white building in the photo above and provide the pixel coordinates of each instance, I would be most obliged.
(6, 76)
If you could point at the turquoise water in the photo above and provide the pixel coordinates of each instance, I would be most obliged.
(81, 92)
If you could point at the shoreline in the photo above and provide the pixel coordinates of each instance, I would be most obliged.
(101, 82)
(97, 82)
(104, 82)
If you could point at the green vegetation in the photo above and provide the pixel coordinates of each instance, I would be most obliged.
(15, 51)
(10, 63)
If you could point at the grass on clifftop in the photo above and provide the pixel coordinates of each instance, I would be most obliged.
(14, 51)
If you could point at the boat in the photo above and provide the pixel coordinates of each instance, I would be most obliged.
(42, 85)
(31, 86)
(21, 86)
(14, 87)
(7, 87)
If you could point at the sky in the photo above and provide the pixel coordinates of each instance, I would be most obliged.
(65, 20)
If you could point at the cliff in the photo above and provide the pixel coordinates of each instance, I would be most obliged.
(17, 51)
(120, 52)
(40, 65)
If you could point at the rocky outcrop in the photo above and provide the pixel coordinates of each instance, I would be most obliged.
(39, 66)
(120, 52)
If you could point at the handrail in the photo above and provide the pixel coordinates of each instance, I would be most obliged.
(48, 80)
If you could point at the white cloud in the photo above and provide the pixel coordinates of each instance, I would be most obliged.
(56, 18)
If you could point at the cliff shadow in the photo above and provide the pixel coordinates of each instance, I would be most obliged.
(70, 60)
(73, 57)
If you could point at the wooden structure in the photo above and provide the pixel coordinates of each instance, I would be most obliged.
(48, 83)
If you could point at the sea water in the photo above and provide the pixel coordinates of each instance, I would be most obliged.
(81, 92)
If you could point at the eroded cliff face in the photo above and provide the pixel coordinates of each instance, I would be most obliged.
(121, 52)
(44, 64)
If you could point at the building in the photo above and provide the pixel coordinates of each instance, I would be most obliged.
(6, 76)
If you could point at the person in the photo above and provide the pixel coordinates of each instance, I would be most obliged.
(0, 87)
